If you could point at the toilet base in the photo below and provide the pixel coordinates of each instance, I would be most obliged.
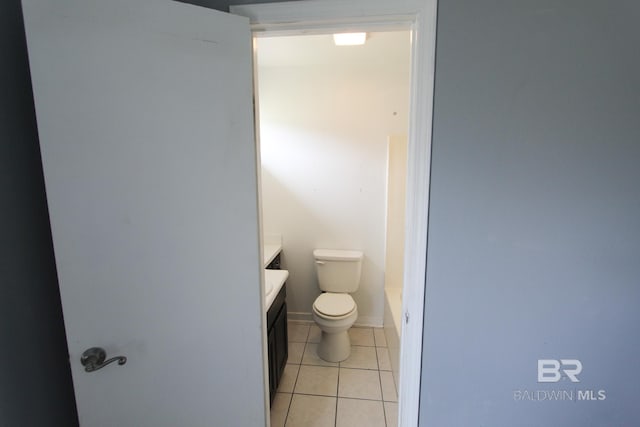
(334, 347)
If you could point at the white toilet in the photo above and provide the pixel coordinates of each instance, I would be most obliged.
(335, 311)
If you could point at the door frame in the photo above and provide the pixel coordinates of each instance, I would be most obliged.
(419, 16)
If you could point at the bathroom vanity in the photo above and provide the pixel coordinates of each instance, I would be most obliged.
(275, 301)
(277, 340)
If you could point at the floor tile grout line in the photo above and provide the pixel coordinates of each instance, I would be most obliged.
(384, 409)
(289, 407)
(335, 421)
(295, 382)
(384, 412)
(342, 397)
(317, 395)
(291, 400)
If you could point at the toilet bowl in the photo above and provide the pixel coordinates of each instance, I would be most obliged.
(335, 311)
(334, 318)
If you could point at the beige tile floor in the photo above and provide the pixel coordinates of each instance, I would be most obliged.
(356, 392)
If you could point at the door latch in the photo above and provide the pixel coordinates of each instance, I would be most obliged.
(94, 359)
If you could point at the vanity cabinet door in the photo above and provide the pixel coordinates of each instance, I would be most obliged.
(275, 264)
(273, 375)
(281, 341)
(277, 340)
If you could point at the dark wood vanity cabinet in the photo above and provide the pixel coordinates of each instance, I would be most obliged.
(277, 340)
(274, 264)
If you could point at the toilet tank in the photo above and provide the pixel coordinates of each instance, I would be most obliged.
(338, 270)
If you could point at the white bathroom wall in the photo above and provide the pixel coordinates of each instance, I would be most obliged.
(324, 125)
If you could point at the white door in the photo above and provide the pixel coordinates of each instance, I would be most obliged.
(145, 118)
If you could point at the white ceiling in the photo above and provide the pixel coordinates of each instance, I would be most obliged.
(311, 50)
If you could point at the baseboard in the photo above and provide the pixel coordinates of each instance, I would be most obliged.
(369, 322)
(363, 321)
(301, 317)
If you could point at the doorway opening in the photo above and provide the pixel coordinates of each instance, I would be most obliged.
(332, 130)
(419, 16)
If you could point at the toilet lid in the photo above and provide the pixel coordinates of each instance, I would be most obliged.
(331, 304)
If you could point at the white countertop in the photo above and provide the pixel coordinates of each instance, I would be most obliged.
(270, 250)
(277, 279)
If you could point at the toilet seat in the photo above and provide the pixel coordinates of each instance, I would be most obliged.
(333, 305)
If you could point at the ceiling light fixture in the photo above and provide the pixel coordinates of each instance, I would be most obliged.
(349, 39)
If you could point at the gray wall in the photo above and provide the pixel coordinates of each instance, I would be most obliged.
(534, 225)
(35, 381)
